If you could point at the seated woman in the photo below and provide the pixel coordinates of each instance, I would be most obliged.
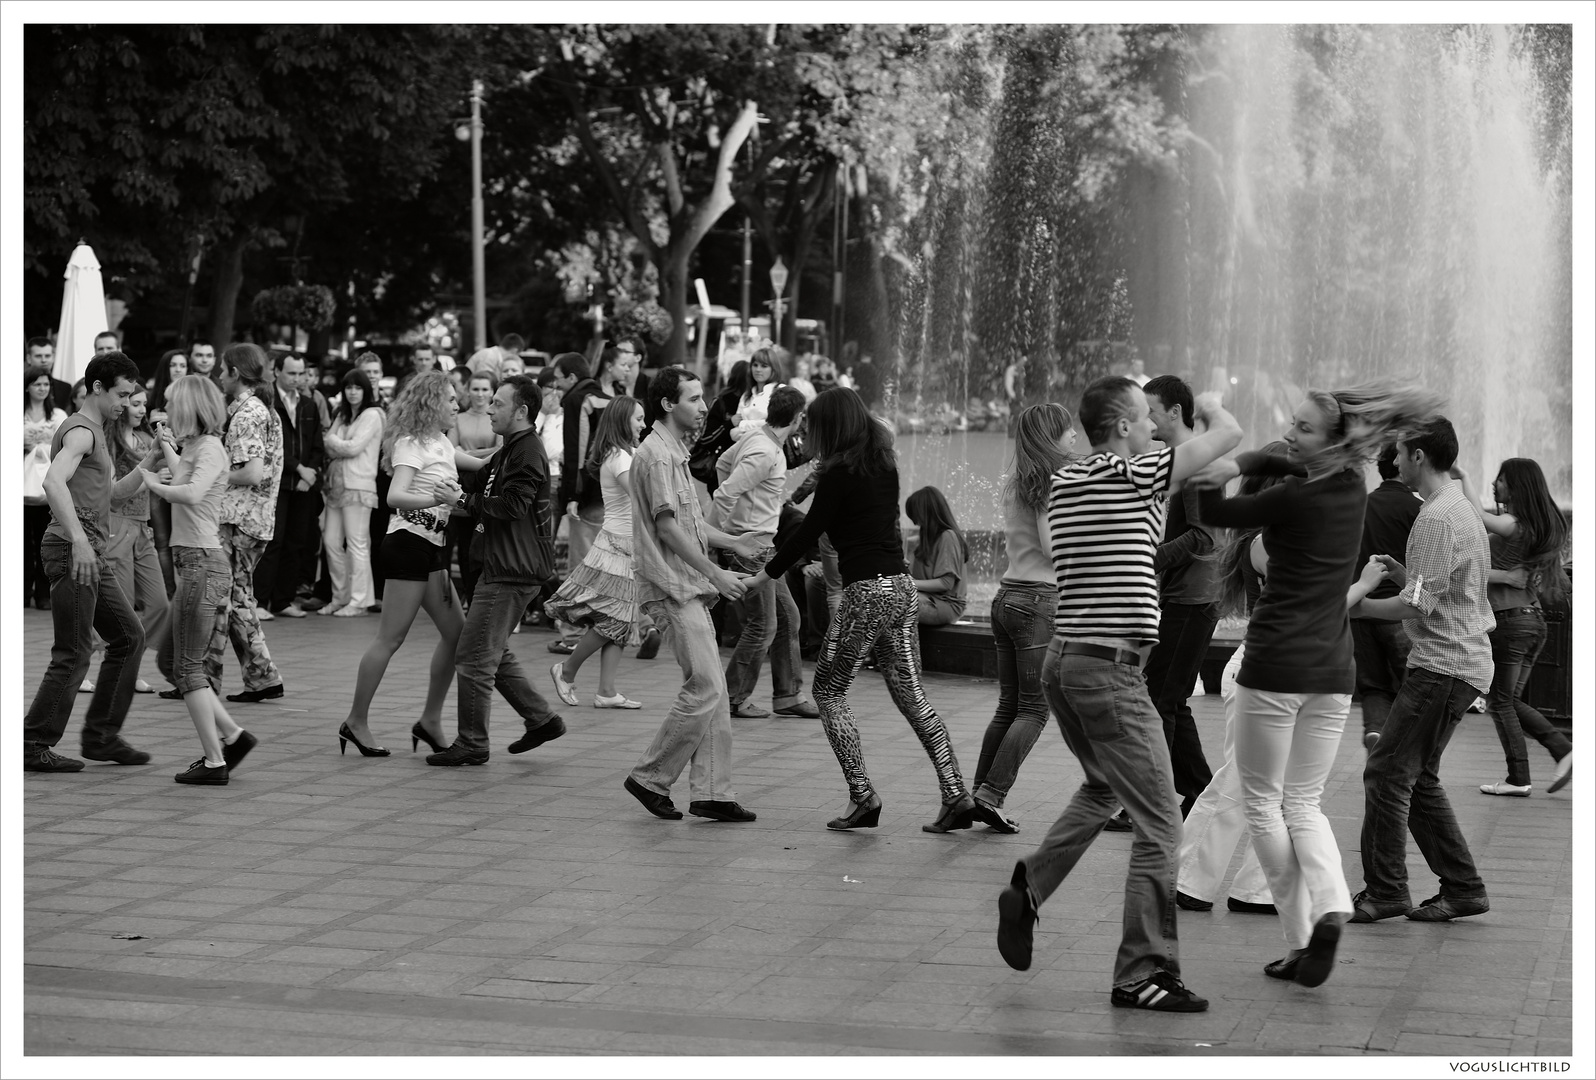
(939, 558)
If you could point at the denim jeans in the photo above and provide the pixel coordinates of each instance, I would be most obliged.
(243, 552)
(1184, 631)
(199, 613)
(770, 625)
(698, 729)
(130, 549)
(1402, 792)
(1022, 626)
(1217, 821)
(1516, 644)
(1380, 651)
(79, 611)
(1285, 746)
(483, 662)
(1111, 727)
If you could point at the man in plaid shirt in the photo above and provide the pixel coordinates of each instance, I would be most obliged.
(1448, 620)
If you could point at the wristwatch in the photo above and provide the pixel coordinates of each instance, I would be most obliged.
(459, 504)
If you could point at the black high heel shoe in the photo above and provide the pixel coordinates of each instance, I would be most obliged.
(865, 816)
(955, 815)
(418, 735)
(345, 735)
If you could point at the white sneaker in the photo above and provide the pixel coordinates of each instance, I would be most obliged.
(1502, 787)
(619, 701)
(87, 687)
(293, 611)
(350, 611)
(142, 687)
(1562, 773)
(263, 615)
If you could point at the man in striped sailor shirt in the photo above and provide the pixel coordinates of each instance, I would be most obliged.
(1106, 517)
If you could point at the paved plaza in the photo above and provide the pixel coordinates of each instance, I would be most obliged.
(328, 905)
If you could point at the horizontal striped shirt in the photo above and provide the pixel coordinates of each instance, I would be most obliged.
(1448, 559)
(1106, 516)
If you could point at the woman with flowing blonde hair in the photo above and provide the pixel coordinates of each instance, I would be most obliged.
(1294, 686)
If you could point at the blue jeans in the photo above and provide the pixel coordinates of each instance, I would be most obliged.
(1402, 792)
(483, 663)
(1516, 644)
(198, 613)
(698, 729)
(1022, 626)
(1184, 631)
(1380, 650)
(770, 625)
(79, 610)
(1111, 727)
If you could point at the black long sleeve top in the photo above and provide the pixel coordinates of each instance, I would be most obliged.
(860, 515)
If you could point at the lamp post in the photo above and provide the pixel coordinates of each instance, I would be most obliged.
(479, 301)
(778, 282)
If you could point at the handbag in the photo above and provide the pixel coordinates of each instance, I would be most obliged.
(707, 450)
(34, 466)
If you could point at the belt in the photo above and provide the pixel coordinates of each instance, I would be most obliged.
(1103, 652)
(1509, 612)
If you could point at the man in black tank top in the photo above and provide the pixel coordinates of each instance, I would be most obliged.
(84, 595)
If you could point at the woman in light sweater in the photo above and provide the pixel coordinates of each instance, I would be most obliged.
(1022, 609)
(353, 445)
(197, 417)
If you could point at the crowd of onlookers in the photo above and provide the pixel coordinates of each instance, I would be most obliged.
(331, 510)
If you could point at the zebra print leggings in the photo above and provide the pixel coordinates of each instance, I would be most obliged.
(879, 614)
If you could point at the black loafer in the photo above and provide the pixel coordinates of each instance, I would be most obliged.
(1120, 822)
(119, 752)
(458, 755)
(1284, 968)
(1187, 902)
(720, 810)
(658, 805)
(650, 646)
(1319, 959)
(1247, 907)
(1366, 909)
(1016, 921)
(172, 694)
(250, 696)
(1447, 908)
(548, 731)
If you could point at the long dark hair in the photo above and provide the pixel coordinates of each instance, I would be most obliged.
(929, 509)
(843, 433)
(1542, 530)
(614, 432)
(163, 377)
(34, 373)
(1037, 455)
(738, 381)
(355, 377)
(1233, 553)
(131, 443)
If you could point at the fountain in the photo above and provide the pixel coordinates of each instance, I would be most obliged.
(1335, 203)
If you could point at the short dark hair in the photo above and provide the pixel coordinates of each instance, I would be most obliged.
(427, 345)
(527, 394)
(199, 341)
(106, 368)
(112, 334)
(1172, 390)
(1386, 462)
(1106, 401)
(572, 363)
(512, 343)
(785, 405)
(1438, 440)
(548, 377)
(667, 385)
(39, 342)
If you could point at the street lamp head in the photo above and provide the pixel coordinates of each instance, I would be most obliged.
(463, 132)
(778, 276)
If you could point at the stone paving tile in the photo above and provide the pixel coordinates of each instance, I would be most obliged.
(422, 897)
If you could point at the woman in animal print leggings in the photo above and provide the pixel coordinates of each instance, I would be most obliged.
(856, 505)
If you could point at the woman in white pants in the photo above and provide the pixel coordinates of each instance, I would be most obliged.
(1294, 687)
(353, 444)
(1217, 821)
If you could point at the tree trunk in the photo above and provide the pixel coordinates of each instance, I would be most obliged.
(674, 289)
(229, 263)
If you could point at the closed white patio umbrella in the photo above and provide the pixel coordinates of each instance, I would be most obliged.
(82, 314)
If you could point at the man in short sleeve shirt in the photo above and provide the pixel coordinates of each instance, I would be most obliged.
(1448, 619)
(1106, 517)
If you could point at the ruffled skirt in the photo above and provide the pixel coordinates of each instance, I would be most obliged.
(601, 593)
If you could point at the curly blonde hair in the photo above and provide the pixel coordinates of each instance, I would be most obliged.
(422, 408)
